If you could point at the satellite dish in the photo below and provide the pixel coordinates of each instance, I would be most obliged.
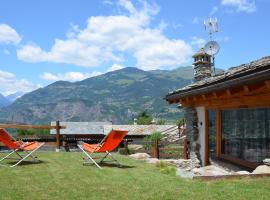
(212, 48)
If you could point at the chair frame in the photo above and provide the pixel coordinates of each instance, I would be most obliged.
(90, 160)
(21, 157)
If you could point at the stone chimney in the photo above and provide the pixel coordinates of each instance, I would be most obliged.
(202, 65)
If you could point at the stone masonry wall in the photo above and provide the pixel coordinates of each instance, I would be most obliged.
(192, 133)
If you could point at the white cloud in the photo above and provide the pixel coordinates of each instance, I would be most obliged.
(68, 76)
(214, 10)
(198, 42)
(114, 67)
(105, 38)
(248, 6)
(9, 84)
(64, 51)
(9, 35)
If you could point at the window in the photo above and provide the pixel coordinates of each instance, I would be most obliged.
(246, 134)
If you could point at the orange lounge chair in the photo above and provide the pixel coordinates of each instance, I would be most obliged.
(109, 143)
(18, 146)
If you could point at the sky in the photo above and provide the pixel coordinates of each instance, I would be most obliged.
(45, 41)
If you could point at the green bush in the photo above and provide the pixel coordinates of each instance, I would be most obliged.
(32, 132)
(180, 122)
(149, 140)
(161, 122)
(156, 136)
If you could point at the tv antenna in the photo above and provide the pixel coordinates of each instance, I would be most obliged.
(211, 47)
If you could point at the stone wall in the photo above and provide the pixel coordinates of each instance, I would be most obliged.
(192, 133)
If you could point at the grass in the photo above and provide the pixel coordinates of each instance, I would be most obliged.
(62, 176)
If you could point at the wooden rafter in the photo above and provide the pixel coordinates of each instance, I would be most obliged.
(267, 84)
(228, 92)
(246, 89)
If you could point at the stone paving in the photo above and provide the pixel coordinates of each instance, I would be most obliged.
(186, 169)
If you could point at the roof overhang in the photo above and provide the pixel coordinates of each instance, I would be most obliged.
(248, 77)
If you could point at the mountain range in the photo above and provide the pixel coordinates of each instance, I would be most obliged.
(9, 99)
(116, 96)
(4, 101)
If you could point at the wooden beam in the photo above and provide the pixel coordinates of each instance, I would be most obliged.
(246, 89)
(236, 100)
(230, 176)
(239, 161)
(267, 84)
(194, 98)
(204, 97)
(228, 92)
(26, 126)
(182, 101)
(214, 95)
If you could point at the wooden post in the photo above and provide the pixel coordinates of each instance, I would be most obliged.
(126, 147)
(185, 149)
(57, 136)
(156, 149)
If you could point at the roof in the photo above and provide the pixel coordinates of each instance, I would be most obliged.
(141, 129)
(258, 70)
(81, 128)
(103, 128)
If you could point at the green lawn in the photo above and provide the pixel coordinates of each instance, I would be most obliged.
(62, 176)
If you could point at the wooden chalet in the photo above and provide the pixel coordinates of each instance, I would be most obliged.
(228, 114)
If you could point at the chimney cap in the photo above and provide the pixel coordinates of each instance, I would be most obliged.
(201, 52)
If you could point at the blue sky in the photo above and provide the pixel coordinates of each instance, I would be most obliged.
(45, 41)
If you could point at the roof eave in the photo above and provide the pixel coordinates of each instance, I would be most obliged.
(229, 82)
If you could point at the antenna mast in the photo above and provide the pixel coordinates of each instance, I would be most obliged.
(212, 47)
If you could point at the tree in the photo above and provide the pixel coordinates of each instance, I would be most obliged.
(144, 118)
(161, 122)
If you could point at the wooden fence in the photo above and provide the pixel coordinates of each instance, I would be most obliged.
(160, 149)
(157, 148)
(57, 127)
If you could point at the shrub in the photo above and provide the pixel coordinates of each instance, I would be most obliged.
(149, 139)
(156, 136)
(32, 132)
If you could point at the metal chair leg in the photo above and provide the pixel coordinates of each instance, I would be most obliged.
(88, 156)
(27, 156)
(8, 155)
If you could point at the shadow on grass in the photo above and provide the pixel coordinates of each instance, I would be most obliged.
(26, 162)
(106, 164)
